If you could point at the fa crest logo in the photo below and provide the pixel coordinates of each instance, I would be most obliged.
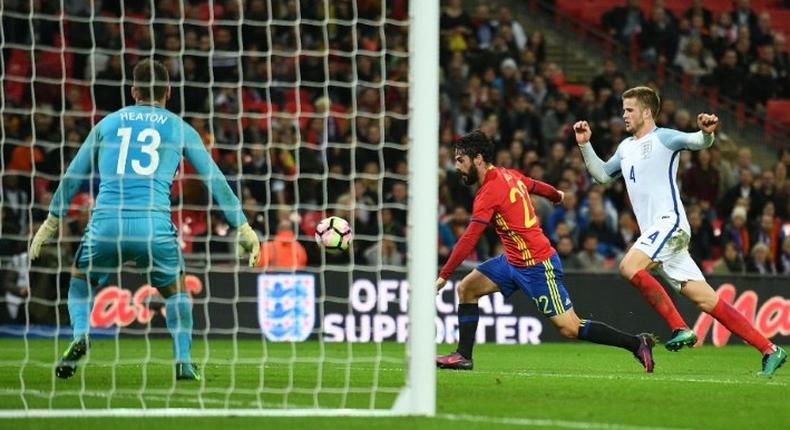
(647, 149)
(286, 306)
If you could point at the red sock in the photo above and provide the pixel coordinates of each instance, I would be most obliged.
(658, 298)
(735, 322)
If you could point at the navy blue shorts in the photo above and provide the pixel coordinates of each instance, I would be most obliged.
(541, 282)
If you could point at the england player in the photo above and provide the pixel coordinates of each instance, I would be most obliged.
(135, 153)
(530, 263)
(648, 162)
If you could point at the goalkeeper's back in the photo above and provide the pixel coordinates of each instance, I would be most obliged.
(135, 152)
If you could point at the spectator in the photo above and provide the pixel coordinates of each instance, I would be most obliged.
(744, 190)
(568, 213)
(609, 244)
(743, 16)
(698, 9)
(695, 60)
(701, 181)
(384, 253)
(537, 91)
(659, 40)
(724, 32)
(760, 261)
(767, 192)
(481, 23)
(596, 197)
(769, 233)
(760, 86)
(783, 262)
(624, 22)
(730, 262)
(737, 232)
(505, 18)
(606, 77)
(781, 63)
(702, 238)
(537, 45)
(557, 121)
(762, 34)
(565, 252)
(589, 259)
(24, 158)
(727, 77)
(627, 229)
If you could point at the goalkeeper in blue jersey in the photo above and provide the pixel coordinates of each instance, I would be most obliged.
(135, 152)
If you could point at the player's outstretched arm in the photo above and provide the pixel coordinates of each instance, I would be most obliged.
(79, 170)
(603, 173)
(677, 140)
(543, 189)
(229, 204)
(462, 248)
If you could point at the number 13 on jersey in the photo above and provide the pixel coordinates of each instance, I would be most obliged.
(150, 139)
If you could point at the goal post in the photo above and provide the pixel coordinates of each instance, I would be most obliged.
(52, 82)
(419, 395)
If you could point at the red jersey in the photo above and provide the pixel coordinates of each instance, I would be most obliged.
(503, 199)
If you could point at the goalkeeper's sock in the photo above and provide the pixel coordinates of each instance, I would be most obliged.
(179, 324)
(468, 316)
(658, 298)
(79, 306)
(735, 322)
(598, 332)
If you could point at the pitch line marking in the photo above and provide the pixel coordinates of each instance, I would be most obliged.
(544, 422)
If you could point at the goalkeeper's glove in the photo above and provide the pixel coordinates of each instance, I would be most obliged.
(44, 233)
(248, 242)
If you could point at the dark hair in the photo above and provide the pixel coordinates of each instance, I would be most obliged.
(151, 79)
(473, 143)
(646, 97)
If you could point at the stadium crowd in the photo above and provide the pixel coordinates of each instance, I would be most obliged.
(338, 137)
(736, 51)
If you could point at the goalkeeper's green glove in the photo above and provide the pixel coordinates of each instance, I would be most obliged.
(48, 229)
(248, 242)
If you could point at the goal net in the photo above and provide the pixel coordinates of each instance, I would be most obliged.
(310, 108)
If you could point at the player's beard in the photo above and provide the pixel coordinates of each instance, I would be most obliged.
(469, 178)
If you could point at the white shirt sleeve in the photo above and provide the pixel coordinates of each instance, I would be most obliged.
(677, 140)
(602, 172)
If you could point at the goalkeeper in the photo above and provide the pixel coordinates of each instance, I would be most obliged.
(135, 152)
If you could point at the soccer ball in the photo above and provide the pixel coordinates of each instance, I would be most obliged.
(333, 234)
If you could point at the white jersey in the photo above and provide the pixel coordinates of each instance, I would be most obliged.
(649, 167)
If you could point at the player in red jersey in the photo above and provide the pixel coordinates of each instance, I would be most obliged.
(530, 263)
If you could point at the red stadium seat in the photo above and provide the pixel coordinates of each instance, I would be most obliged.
(780, 20)
(593, 12)
(777, 111)
(716, 7)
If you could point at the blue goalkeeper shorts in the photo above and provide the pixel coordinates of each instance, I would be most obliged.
(541, 282)
(150, 242)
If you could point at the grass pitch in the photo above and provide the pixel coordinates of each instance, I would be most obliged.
(562, 385)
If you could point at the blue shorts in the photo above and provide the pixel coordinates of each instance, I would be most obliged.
(541, 282)
(151, 243)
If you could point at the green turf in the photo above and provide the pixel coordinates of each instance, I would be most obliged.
(565, 385)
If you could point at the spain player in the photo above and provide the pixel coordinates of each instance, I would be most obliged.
(135, 153)
(648, 160)
(529, 264)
